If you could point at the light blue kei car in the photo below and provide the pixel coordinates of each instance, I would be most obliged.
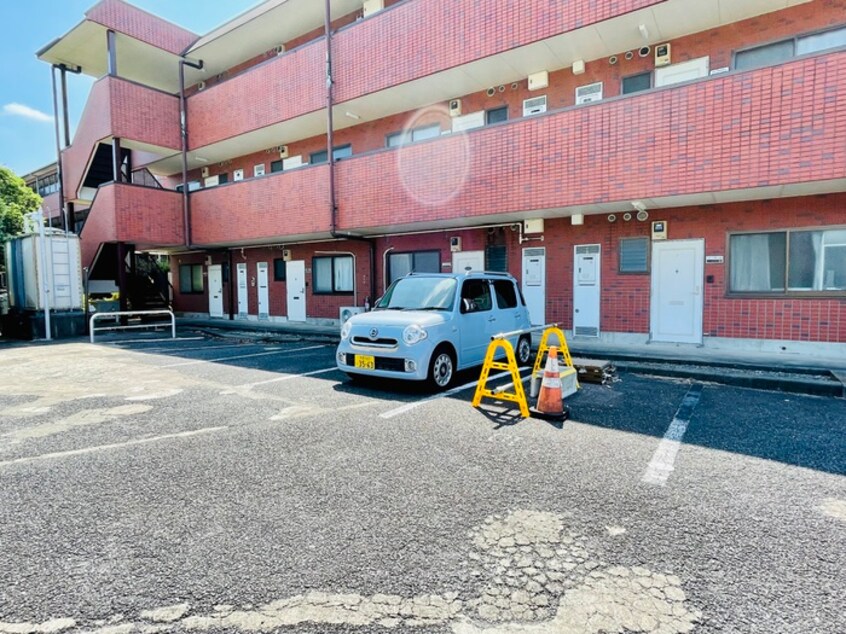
(429, 325)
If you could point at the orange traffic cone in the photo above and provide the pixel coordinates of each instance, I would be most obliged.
(550, 402)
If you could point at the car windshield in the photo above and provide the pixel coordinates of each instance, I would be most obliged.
(419, 293)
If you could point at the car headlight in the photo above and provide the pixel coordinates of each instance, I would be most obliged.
(345, 330)
(413, 334)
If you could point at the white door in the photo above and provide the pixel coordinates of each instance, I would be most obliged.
(463, 260)
(684, 71)
(534, 284)
(586, 290)
(678, 267)
(243, 306)
(263, 294)
(215, 291)
(295, 282)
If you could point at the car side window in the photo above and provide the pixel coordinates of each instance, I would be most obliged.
(476, 296)
(506, 294)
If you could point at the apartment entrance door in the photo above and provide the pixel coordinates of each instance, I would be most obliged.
(586, 290)
(678, 268)
(534, 284)
(243, 306)
(263, 294)
(215, 291)
(295, 281)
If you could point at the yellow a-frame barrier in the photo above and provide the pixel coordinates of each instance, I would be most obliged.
(510, 365)
(543, 348)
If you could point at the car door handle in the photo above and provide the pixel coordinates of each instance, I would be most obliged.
(491, 318)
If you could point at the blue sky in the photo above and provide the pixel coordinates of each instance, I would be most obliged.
(27, 138)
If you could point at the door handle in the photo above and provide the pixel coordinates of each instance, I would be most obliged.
(491, 318)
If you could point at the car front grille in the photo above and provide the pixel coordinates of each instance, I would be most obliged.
(382, 342)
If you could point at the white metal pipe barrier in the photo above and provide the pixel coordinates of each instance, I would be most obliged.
(92, 330)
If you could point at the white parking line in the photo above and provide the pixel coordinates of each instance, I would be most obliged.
(664, 458)
(240, 356)
(409, 406)
(118, 445)
(156, 340)
(284, 377)
(174, 351)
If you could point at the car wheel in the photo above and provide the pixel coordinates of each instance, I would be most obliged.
(441, 369)
(524, 350)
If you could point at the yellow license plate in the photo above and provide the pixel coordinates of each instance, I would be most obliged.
(364, 362)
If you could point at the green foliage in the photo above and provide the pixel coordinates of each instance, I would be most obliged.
(16, 200)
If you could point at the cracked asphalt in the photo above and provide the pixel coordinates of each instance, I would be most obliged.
(201, 484)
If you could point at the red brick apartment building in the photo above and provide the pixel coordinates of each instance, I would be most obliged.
(650, 170)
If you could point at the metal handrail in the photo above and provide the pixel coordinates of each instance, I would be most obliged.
(524, 331)
(122, 313)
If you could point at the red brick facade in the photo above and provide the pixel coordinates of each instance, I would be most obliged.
(124, 18)
(774, 135)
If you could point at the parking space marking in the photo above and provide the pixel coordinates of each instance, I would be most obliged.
(157, 340)
(240, 356)
(664, 458)
(284, 377)
(171, 351)
(117, 445)
(409, 406)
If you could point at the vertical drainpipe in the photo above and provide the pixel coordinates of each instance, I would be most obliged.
(62, 207)
(71, 215)
(330, 155)
(183, 128)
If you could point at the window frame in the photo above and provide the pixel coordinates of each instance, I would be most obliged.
(795, 40)
(332, 258)
(412, 253)
(410, 135)
(786, 293)
(335, 158)
(276, 277)
(193, 291)
(641, 74)
(648, 269)
(497, 109)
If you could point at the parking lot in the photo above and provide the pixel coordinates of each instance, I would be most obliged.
(208, 484)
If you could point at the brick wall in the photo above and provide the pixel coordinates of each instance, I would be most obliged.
(128, 213)
(778, 125)
(278, 205)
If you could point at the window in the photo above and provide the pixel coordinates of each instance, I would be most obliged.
(476, 296)
(222, 178)
(339, 152)
(276, 166)
(636, 83)
(190, 278)
(496, 115)
(496, 258)
(192, 186)
(396, 139)
(788, 262)
(786, 49)
(401, 264)
(46, 186)
(506, 295)
(634, 255)
(279, 270)
(763, 55)
(332, 274)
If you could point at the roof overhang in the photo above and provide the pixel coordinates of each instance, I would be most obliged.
(85, 47)
(258, 31)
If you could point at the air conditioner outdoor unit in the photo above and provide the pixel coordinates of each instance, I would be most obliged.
(535, 105)
(588, 93)
(348, 311)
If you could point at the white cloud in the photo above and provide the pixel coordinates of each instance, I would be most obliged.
(20, 110)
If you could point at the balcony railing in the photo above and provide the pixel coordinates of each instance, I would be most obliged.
(773, 126)
(143, 216)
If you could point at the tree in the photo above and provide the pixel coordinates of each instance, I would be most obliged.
(16, 200)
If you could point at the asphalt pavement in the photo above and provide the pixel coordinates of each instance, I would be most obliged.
(209, 484)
